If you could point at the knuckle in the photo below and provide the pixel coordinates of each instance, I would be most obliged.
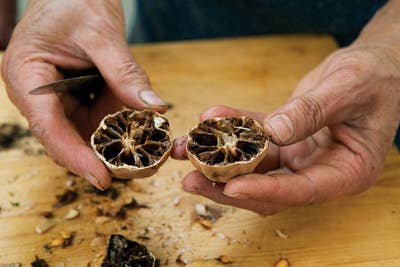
(349, 65)
(311, 110)
(37, 129)
(129, 72)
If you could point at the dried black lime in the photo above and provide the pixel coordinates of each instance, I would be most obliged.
(122, 252)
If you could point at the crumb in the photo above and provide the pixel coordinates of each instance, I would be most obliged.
(65, 198)
(44, 226)
(71, 214)
(224, 259)
(282, 263)
(181, 261)
(47, 214)
(102, 219)
(281, 234)
(206, 223)
(38, 262)
(176, 200)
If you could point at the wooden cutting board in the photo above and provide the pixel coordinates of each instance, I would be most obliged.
(253, 73)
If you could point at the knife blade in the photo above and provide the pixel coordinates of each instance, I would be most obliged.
(72, 85)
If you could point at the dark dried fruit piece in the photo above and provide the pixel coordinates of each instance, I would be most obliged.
(222, 148)
(38, 262)
(9, 133)
(133, 144)
(65, 198)
(127, 253)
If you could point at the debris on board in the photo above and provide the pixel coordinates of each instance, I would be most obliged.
(124, 252)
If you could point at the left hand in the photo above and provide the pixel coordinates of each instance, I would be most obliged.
(333, 135)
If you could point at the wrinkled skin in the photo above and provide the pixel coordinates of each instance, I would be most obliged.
(343, 117)
(72, 34)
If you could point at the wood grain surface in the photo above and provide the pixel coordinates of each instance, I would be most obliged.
(253, 73)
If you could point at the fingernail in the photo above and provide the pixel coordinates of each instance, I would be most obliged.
(236, 195)
(94, 181)
(282, 126)
(151, 98)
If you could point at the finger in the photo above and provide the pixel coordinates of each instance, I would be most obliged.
(225, 111)
(179, 148)
(277, 187)
(339, 172)
(197, 183)
(123, 74)
(328, 103)
(47, 120)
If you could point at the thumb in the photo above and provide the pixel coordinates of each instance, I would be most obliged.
(306, 114)
(127, 80)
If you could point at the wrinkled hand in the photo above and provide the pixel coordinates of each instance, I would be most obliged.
(68, 34)
(333, 135)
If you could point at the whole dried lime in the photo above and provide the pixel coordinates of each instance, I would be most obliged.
(133, 144)
(222, 148)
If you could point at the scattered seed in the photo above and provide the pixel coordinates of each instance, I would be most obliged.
(221, 236)
(282, 263)
(206, 223)
(57, 242)
(71, 214)
(210, 213)
(70, 183)
(102, 219)
(224, 259)
(176, 200)
(281, 234)
(200, 209)
(44, 226)
(63, 241)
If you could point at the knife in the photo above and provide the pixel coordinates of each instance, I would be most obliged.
(85, 86)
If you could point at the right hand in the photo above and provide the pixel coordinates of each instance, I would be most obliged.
(71, 34)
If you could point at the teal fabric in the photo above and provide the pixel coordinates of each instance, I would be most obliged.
(162, 20)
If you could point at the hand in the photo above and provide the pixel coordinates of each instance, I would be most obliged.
(333, 135)
(67, 34)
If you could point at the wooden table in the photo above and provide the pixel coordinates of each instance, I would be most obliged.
(253, 73)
